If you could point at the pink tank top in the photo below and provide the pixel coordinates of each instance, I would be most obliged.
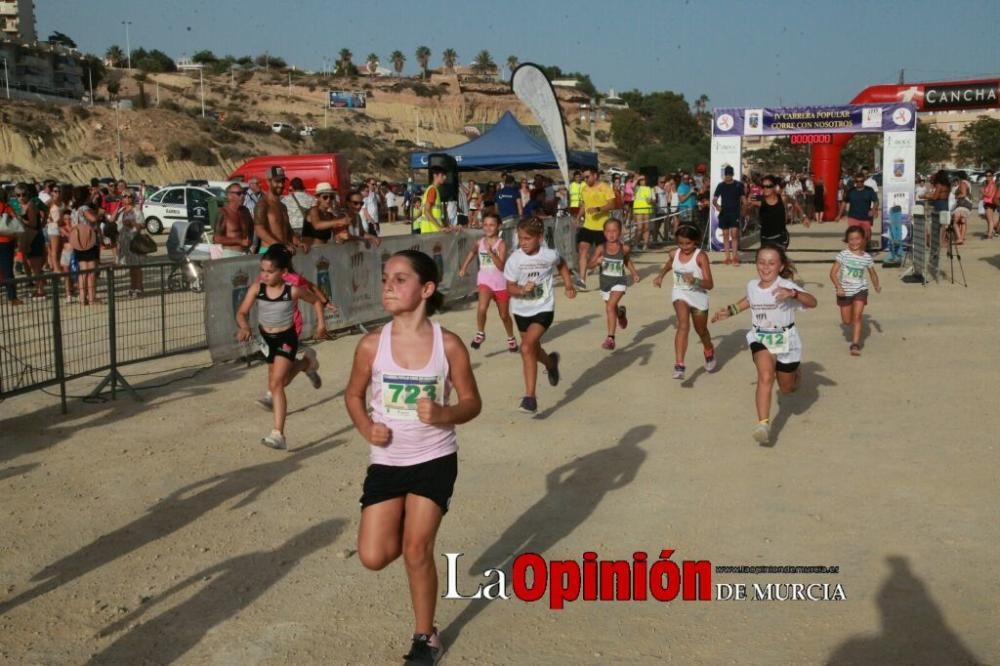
(489, 275)
(394, 395)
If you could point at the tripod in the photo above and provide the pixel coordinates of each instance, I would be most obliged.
(953, 253)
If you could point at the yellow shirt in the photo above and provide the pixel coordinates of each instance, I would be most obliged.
(574, 194)
(596, 197)
(643, 196)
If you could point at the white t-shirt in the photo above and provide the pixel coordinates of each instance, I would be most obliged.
(390, 199)
(853, 275)
(539, 268)
(371, 205)
(872, 184)
(767, 312)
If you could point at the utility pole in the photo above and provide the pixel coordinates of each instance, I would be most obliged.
(902, 76)
(592, 115)
(128, 46)
(289, 85)
(118, 132)
(90, 75)
(6, 78)
(201, 76)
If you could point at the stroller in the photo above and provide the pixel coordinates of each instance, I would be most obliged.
(187, 247)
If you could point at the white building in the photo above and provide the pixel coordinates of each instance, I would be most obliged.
(17, 20)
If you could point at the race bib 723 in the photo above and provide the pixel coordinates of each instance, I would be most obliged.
(401, 392)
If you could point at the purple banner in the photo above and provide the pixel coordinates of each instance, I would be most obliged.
(847, 119)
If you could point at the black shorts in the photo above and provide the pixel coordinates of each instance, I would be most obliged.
(989, 206)
(780, 240)
(543, 318)
(779, 366)
(584, 235)
(283, 343)
(37, 248)
(729, 219)
(93, 254)
(434, 479)
(862, 296)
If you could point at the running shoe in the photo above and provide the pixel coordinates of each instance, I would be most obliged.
(275, 440)
(710, 362)
(529, 404)
(266, 402)
(425, 650)
(554, 370)
(762, 433)
(678, 372)
(512, 345)
(312, 367)
(622, 318)
(479, 338)
(855, 350)
(579, 284)
(609, 343)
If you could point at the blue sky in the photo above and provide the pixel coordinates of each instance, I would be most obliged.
(738, 53)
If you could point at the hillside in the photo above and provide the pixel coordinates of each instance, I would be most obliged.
(168, 140)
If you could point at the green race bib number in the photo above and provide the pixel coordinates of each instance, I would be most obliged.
(776, 341)
(613, 267)
(401, 392)
(854, 274)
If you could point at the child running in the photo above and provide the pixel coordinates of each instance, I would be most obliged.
(321, 304)
(692, 281)
(529, 272)
(614, 257)
(849, 279)
(490, 281)
(276, 302)
(411, 366)
(774, 340)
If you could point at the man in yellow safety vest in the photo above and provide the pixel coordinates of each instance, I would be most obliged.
(642, 207)
(431, 219)
(575, 190)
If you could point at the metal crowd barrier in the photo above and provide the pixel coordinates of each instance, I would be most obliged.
(47, 341)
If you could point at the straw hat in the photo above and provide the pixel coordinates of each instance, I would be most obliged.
(323, 188)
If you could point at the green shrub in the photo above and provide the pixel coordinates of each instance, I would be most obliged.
(334, 139)
(202, 155)
(176, 151)
(79, 112)
(141, 159)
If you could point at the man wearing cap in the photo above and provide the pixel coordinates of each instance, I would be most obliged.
(270, 217)
(728, 202)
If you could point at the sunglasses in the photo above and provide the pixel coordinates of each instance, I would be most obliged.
(235, 193)
(325, 197)
(355, 202)
(768, 185)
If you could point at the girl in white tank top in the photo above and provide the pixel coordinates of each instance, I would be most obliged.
(692, 281)
(411, 366)
(773, 300)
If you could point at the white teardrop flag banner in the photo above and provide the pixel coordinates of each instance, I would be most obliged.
(532, 87)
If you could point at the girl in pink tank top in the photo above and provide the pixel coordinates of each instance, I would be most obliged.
(412, 366)
(491, 283)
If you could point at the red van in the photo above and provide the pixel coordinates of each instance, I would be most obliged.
(312, 169)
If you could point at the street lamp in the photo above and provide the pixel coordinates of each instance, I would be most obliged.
(6, 79)
(128, 45)
(201, 77)
(592, 117)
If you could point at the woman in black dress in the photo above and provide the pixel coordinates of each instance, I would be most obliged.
(773, 225)
(818, 204)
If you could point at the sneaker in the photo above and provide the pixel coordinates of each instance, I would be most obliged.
(609, 343)
(855, 350)
(622, 318)
(425, 650)
(275, 440)
(579, 284)
(554, 370)
(529, 404)
(710, 362)
(512, 345)
(312, 367)
(478, 340)
(266, 401)
(761, 433)
(678, 372)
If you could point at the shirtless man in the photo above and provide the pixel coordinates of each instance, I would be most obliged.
(270, 221)
(232, 231)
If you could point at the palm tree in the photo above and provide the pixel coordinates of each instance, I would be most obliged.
(423, 55)
(512, 63)
(345, 56)
(449, 57)
(701, 105)
(483, 63)
(372, 64)
(397, 59)
(115, 56)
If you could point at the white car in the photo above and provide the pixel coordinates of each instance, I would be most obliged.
(308, 130)
(178, 203)
(278, 128)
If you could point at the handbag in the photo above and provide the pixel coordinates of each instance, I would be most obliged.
(142, 243)
(10, 225)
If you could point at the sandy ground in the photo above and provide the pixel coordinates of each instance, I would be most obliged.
(163, 531)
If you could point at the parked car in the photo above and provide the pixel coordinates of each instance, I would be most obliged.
(278, 128)
(180, 203)
(308, 130)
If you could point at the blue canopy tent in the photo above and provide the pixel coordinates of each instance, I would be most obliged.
(507, 145)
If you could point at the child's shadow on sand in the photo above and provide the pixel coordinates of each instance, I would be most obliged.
(800, 401)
